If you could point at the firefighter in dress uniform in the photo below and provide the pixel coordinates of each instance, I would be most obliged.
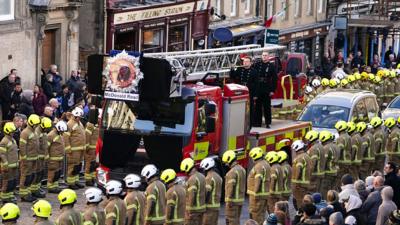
(10, 214)
(344, 144)
(176, 197)
(42, 213)
(68, 216)
(331, 152)
(235, 188)
(276, 180)
(115, 209)
(369, 150)
(287, 175)
(316, 153)
(213, 191)
(379, 136)
(379, 90)
(92, 133)
(356, 149)
(93, 214)
(392, 142)
(56, 156)
(134, 200)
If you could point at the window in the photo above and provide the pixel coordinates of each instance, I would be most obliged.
(247, 7)
(283, 14)
(372, 108)
(359, 112)
(177, 38)
(270, 8)
(321, 6)
(233, 7)
(217, 7)
(297, 8)
(324, 116)
(6, 10)
(310, 7)
(153, 40)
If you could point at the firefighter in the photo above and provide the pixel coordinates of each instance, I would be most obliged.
(43, 154)
(10, 214)
(317, 156)
(287, 175)
(301, 172)
(333, 83)
(9, 165)
(356, 149)
(379, 136)
(235, 185)
(331, 158)
(115, 209)
(357, 83)
(392, 141)
(28, 145)
(388, 87)
(213, 191)
(379, 90)
(75, 144)
(276, 180)
(324, 85)
(176, 196)
(344, 145)
(258, 181)
(344, 84)
(155, 192)
(134, 200)
(368, 150)
(56, 156)
(93, 213)
(42, 212)
(316, 84)
(68, 216)
(267, 80)
(92, 133)
(395, 81)
(351, 79)
(195, 193)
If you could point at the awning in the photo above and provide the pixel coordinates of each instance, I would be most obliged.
(370, 23)
(240, 31)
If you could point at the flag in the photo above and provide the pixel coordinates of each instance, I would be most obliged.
(271, 19)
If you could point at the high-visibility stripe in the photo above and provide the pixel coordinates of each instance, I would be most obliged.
(77, 148)
(57, 158)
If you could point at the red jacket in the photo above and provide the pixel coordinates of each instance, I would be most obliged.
(39, 102)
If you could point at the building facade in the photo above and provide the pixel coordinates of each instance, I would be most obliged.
(235, 22)
(161, 26)
(37, 33)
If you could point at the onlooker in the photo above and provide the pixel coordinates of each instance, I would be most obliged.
(25, 107)
(19, 125)
(56, 107)
(39, 100)
(48, 87)
(74, 81)
(49, 112)
(281, 210)
(15, 99)
(361, 189)
(326, 66)
(336, 219)
(388, 53)
(326, 212)
(386, 207)
(376, 63)
(374, 200)
(333, 200)
(66, 99)
(56, 79)
(251, 222)
(7, 85)
(309, 216)
(358, 61)
(347, 188)
(318, 202)
(391, 63)
(394, 218)
(369, 183)
(353, 211)
(339, 72)
(348, 65)
(272, 220)
(392, 180)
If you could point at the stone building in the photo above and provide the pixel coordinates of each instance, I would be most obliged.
(37, 33)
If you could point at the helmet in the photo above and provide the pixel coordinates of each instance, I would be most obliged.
(325, 82)
(341, 125)
(228, 157)
(380, 73)
(316, 83)
(46, 123)
(339, 76)
(308, 89)
(333, 83)
(33, 120)
(272, 157)
(386, 73)
(392, 74)
(357, 76)
(371, 77)
(398, 66)
(132, 181)
(207, 163)
(61, 126)
(9, 211)
(390, 122)
(149, 171)
(9, 128)
(361, 126)
(187, 164)
(42, 208)
(377, 80)
(282, 156)
(67, 196)
(311, 135)
(325, 136)
(256, 153)
(298, 145)
(77, 112)
(351, 78)
(398, 119)
(113, 187)
(93, 195)
(168, 175)
(344, 82)
(351, 126)
(283, 143)
(364, 75)
(376, 122)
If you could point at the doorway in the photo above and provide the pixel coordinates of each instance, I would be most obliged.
(49, 49)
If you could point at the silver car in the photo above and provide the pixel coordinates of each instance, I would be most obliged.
(393, 109)
(331, 106)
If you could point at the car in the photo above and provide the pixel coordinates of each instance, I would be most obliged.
(339, 104)
(393, 109)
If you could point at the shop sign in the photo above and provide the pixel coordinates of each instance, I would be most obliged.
(133, 16)
(271, 36)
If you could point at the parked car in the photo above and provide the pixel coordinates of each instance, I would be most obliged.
(393, 109)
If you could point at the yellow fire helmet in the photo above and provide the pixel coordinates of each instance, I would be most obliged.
(357, 76)
(380, 73)
(333, 83)
(33, 120)
(9, 128)
(283, 143)
(256, 153)
(376, 122)
(187, 165)
(228, 157)
(344, 82)
(393, 74)
(390, 122)
(351, 127)
(272, 157)
(46, 123)
(398, 120)
(398, 66)
(351, 78)
(386, 73)
(168, 176)
(341, 125)
(325, 136)
(9, 211)
(371, 77)
(42, 208)
(364, 75)
(377, 80)
(361, 127)
(325, 82)
(312, 136)
(282, 156)
(67, 197)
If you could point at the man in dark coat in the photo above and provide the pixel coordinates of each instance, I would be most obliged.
(7, 85)
(267, 81)
(56, 80)
(392, 180)
(73, 82)
(371, 205)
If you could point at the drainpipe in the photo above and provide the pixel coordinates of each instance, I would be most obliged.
(105, 26)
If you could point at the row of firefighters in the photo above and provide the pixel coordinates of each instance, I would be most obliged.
(42, 143)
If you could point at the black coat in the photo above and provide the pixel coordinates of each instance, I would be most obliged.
(247, 77)
(392, 180)
(48, 90)
(6, 88)
(361, 218)
(313, 220)
(267, 77)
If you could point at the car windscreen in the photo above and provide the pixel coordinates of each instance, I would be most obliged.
(395, 104)
(324, 116)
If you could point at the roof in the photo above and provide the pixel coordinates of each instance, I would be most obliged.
(343, 98)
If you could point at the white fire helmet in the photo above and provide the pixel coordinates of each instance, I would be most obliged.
(149, 171)
(61, 126)
(316, 83)
(308, 90)
(77, 112)
(132, 181)
(207, 163)
(113, 187)
(298, 145)
(93, 195)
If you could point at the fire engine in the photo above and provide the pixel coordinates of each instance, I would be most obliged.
(201, 117)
